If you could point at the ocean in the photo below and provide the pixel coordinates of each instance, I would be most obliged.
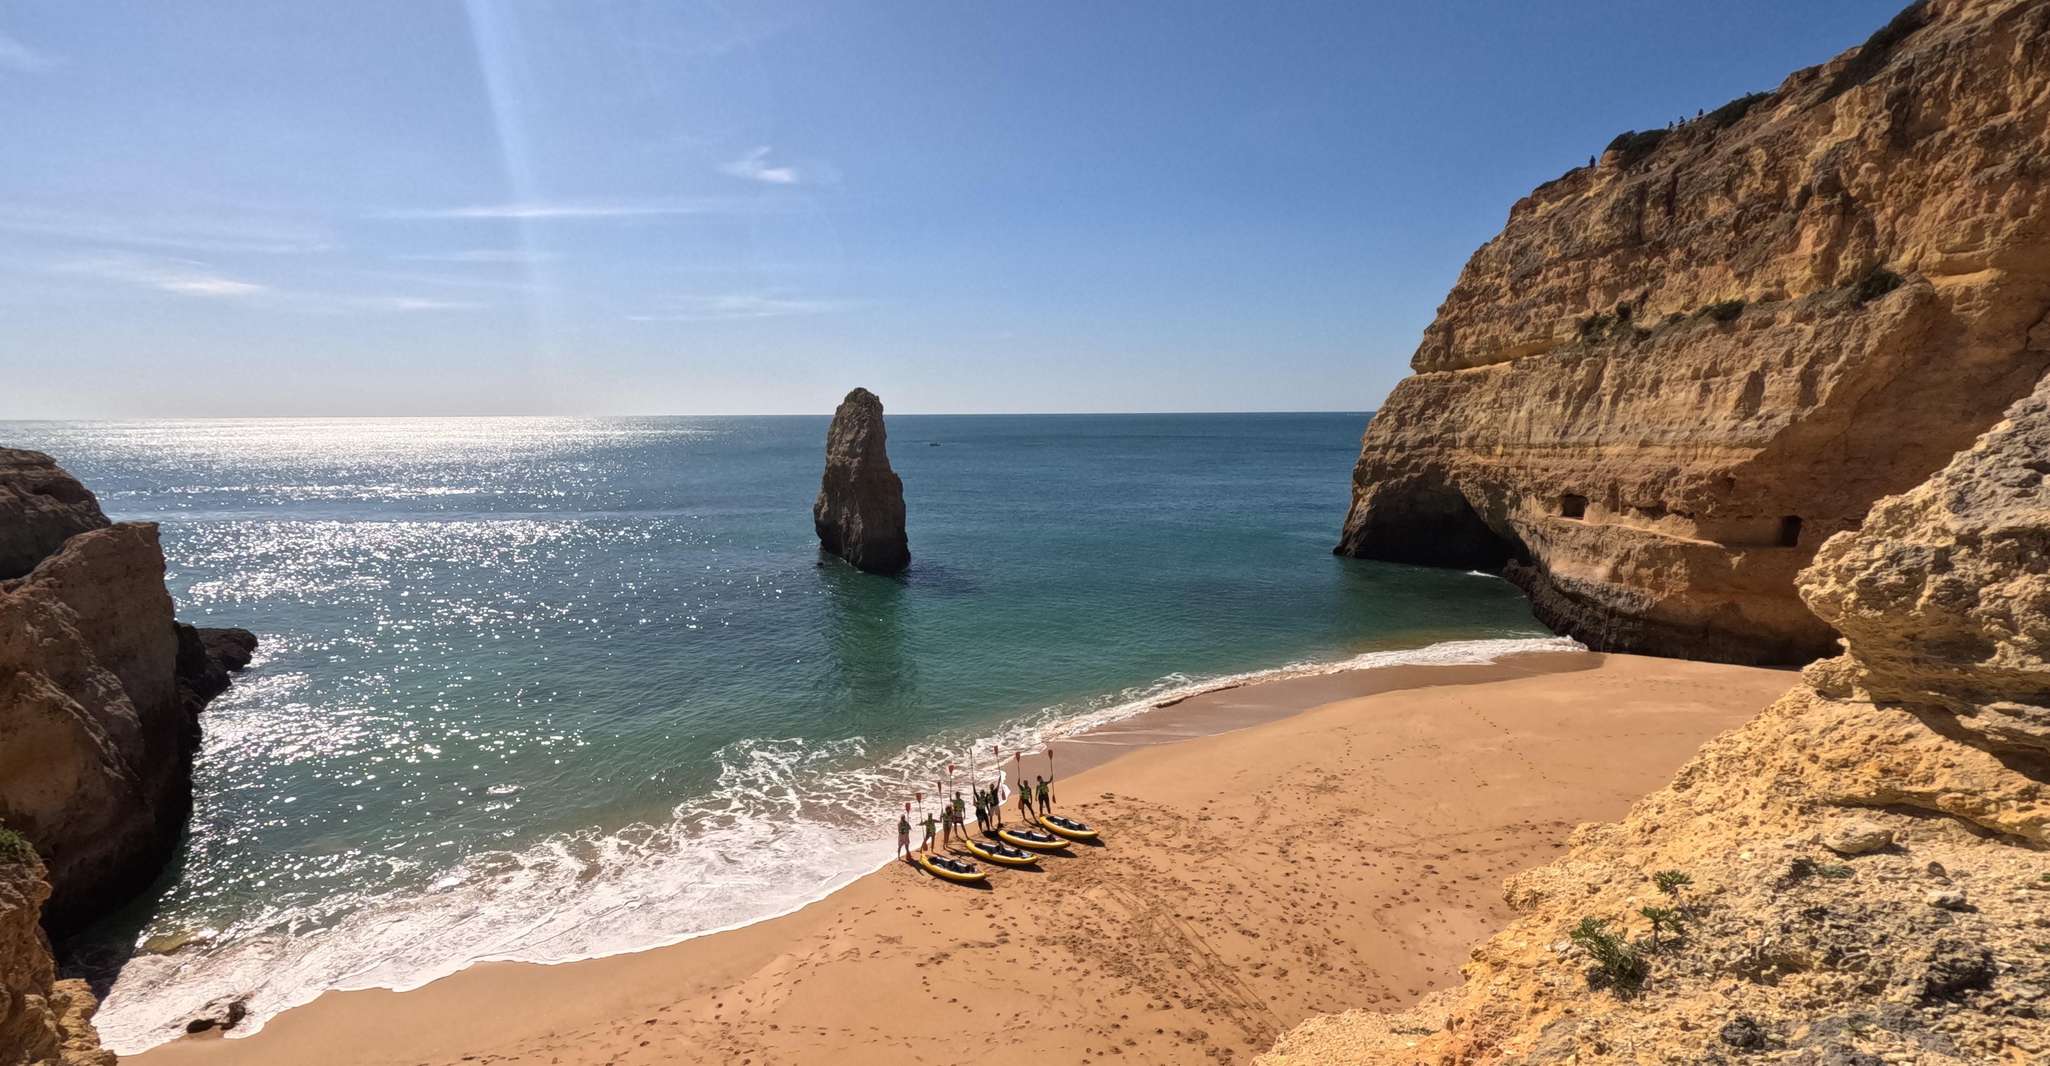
(553, 688)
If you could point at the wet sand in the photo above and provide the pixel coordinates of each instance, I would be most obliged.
(1303, 846)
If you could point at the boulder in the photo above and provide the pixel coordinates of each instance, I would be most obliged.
(859, 514)
(1856, 837)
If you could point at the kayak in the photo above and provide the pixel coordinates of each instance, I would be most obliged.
(1031, 839)
(1000, 853)
(961, 873)
(1067, 827)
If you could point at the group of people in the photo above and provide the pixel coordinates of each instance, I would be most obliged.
(1033, 799)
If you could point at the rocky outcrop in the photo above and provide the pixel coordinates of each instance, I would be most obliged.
(43, 1021)
(860, 510)
(1863, 871)
(100, 691)
(1676, 373)
(41, 507)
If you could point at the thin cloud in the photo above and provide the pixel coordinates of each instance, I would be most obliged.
(182, 234)
(421, 303)
(738, 306)
(183, 277)
(587, 209)
(19, 57)
(186, 277)
(754, 166)
(478, 255)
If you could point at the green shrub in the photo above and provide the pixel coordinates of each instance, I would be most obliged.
(1723, 310)
(1617, 964)
(15, 848)
(1662, 919)
(1671, 882)
(1595, 327)
(1730, 114)
(1633, 145)
(1877, 282)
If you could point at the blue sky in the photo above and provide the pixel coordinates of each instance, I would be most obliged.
(429, 207)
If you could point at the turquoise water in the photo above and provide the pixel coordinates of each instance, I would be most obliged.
(551, 688)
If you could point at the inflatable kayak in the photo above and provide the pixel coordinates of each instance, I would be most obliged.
(1031, 839)
(1000, 853)
(954, 870)
(1067, 827)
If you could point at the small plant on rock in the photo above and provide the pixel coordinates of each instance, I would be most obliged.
(15, 848)
(1662, 919)
(1877, 282)
(1671, 882)
(1617, 963)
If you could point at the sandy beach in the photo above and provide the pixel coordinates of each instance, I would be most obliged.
(1302, 846)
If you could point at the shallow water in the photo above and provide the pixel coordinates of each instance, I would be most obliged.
(552, 688)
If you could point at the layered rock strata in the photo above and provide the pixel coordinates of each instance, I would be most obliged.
(1676, 373)
(100, 690)
(860, 510)
(1863, 870)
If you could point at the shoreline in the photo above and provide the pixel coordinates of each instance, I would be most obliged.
(376, 948)
(489, 1007)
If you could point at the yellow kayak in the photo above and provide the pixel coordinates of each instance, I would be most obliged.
(1031, 839)
(1067, 827)
(961, 873)
(1000, 853)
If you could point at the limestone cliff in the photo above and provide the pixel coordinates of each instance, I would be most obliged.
(43, 1021)
(100, 690)
(1674, 374)
(859, 514)
(1865, 867)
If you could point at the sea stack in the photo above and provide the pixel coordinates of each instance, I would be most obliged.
(860, 509)
(1673, 375)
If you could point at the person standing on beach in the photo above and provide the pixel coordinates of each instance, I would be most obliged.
(1045, 797)
(930, 827)
(904, 833)
(981, 813)
(1024, 800)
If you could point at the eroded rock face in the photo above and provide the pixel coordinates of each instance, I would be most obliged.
(1868, 859)
(1675, 374)
(41, 506)
(100, 691)
(1943, 595)
(43, 1021)
(860, 510)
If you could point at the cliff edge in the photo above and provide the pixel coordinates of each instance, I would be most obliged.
(100, 690)
(1676, 373)
(1860, 875)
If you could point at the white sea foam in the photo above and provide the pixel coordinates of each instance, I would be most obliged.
(787, 824)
